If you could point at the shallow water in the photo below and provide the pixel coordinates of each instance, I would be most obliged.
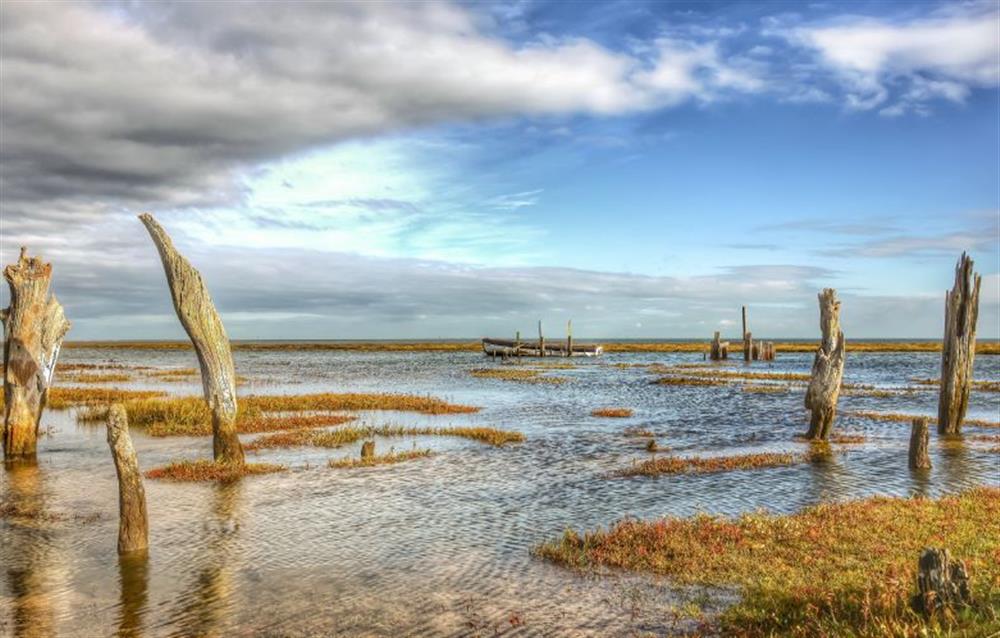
(435, 546)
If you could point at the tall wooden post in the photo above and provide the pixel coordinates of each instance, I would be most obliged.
(202, 323)
(34, 327)
(748, 347)
(827, 370)
(541, 340)
(961, 309)
(517, 345)
(569, 338)
(133, 523)
(716, 352)
(919, 459)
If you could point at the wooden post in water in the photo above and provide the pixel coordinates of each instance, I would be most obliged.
(919, 459)
(517, 345)
(368, 450)
(569, 338)
(133, 523)
(34, 327)
(202, 323)
(716, 352)
(827, 370)
(541, 340)
(961, 309)
(748, 348)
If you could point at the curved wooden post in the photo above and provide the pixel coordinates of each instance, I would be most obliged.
(133, 523)
(961, 309)
(202, 323)
(827, 370)
(34, 327)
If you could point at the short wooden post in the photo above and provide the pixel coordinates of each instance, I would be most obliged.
(201, 321)
(541, 340)
(827, 370)
(716, 351)
(961, 309)
(517, 345)
(34, 327)
(919, 441)
(942, 583)
(133, 523)
(368, 450)
(569, 338)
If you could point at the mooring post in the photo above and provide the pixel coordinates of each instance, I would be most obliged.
(961, 309)
(201, 321)
(541, 340)
(919, 458)
(827, 370)
(569, 338)
(34, 327)
(133, 523)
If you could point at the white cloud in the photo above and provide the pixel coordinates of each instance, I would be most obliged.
(941, 56)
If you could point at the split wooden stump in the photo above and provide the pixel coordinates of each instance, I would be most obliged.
(961, 309)
(201, 321)
(34, 327)
(368, 450)
(133, 522)
(827, 370)
(942, 583)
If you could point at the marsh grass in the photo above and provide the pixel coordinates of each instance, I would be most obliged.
(983, 386)
(92, 377)
(507, 373)
(697, 381)
(844, 569)
(612, 413)
(345, 436)
(61, 398)
(719, 373)
(638, 432)
(190, 416)
(908, 418)
(197, 471)
(706, 465)
(839, 438)
(766, 389)
(381, 459)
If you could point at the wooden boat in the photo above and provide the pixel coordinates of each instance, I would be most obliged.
(510, 348)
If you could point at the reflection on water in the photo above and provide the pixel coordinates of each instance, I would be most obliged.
(437, 546)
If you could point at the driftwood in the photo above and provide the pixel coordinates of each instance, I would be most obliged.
(34, 327)
(827, 370)
(919, 458)
(961, 309)
(368, 450)
(202, 323)
(942, 583)
(133, 523)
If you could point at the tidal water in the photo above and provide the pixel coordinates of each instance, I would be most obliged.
(435, 546)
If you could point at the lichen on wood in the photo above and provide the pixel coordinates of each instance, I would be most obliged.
(34, 327)
(961, 310)
(201, 321)
(827, 370)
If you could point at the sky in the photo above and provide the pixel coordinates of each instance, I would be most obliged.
(454, 170)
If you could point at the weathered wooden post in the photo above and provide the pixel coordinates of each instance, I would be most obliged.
(716, 352)
(569, 338)
(367, 450)
(34, 327)
(919, 442)
(202, 323)
(133, 523)
(541, 340)
(748, 348)
(827, 370)
(941, 582)
(517, 345)
(961, 309)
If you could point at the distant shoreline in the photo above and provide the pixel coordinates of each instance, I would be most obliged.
(985, 346)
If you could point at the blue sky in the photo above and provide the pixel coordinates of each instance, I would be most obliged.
(452, 170)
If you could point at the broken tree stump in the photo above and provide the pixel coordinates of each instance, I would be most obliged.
(133, 523)
(919, 442)
(942, 583)
(827, 370)
(961, 309)
(368, 450)
(202, 323)
(34, 327)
